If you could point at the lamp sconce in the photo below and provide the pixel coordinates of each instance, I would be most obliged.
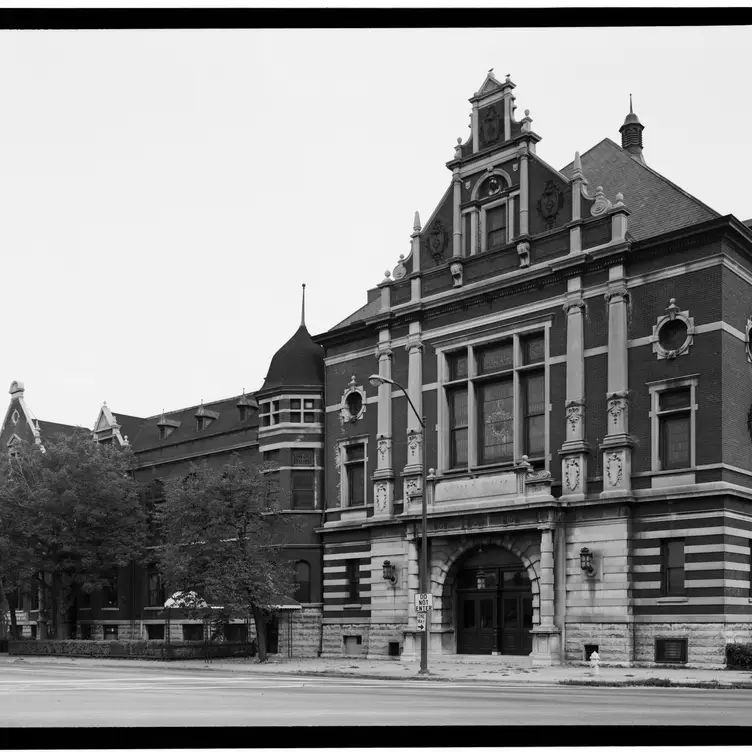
(586, 561)
(480, 580)
(389, 572)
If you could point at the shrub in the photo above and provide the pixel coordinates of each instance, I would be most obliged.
(739, 656)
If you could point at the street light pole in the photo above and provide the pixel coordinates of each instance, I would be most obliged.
(377, 380)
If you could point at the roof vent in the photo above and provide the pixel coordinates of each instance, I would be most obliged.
(631, 134)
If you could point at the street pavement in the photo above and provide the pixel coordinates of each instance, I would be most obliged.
(49, 692)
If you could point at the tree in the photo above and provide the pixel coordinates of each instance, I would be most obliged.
(223, 536)
(70, 514)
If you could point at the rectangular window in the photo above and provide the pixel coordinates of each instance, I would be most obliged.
(303, 484)
(671, 650)
(86, 631)
(302, 457)
(193, 632)
(353, 579)
(672, 567)
(110, 593)
(495, 422)
(674, 419)
(496, 227)
(498, 357)
(155, 631)
(496, 402)
(236, 632)
(355, 474)
(301, 411)
(34, 605)
(467, 233)
(156, 592)
(110, 631)
(457, 363)
(534, 411)
(458, 427)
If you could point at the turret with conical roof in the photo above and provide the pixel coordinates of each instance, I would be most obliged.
(631, 134)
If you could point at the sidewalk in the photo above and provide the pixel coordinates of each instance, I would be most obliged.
(496, 669)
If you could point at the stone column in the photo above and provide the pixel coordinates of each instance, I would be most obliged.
(524, 227)
(410, 648)
(383, 477)
(412, 475)
(617, 445)
(415, 289)
(575, 449)
(457, 217)
(546, 636)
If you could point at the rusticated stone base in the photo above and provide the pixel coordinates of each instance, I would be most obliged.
(342, 639)
(706, 642)
(546, 646)
(614, 642)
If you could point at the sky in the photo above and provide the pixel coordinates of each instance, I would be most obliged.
(164, 194)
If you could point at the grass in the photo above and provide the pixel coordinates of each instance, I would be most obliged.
(654, 681)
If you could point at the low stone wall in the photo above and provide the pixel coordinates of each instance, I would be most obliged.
(614, 642)
(142, 649)
(342, 640)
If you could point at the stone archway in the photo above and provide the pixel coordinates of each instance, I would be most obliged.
(447, 555)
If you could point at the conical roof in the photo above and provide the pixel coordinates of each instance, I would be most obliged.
(299, 362)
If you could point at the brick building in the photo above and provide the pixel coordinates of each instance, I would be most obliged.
(577, 342)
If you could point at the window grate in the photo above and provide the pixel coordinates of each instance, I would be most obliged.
(671, 650)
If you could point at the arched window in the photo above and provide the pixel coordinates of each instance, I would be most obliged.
(303, 582)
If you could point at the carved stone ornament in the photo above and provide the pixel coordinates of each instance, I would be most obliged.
(15, 417)
(381, 497)
(414, 442)
(412, 489)
(550, 203)
(575, 410)
(616, 406)
(616, 292)
(673, 333)
(437, 241)
(614, 469)
(399, 270)
(456, 270)
(572, 473)
(748, 339)
(353, 404)
(491, 126)
(601, 204)
(383, 447)
(523, 252)
(576, 305)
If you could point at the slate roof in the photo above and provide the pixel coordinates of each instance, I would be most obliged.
(146, 434)
(48, 429)
(369, 309)
(129, 424)
(299, 362)
(656, 204)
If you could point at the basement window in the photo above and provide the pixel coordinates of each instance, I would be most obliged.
(671, 650)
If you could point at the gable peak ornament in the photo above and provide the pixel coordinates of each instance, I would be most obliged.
(491, 126)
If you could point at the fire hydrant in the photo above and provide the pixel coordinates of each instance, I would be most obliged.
(595, 660)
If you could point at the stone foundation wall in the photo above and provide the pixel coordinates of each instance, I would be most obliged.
(614, 642)
(334, 644)
(305, 632)
(706, 641)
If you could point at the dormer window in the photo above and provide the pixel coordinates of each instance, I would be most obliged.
(167, 427)
(245, 405)
(204, 417)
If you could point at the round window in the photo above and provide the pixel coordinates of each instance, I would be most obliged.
(673, 334)
(354, 403)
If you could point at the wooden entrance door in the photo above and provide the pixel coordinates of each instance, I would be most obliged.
(516, 623)
(478, 619)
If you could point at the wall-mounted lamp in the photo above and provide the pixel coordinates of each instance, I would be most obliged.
(586, 561)
(388, 572)
(480, 580)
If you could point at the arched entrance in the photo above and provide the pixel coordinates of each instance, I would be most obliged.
(494, 602)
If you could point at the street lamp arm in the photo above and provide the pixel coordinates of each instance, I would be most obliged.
(377, 380)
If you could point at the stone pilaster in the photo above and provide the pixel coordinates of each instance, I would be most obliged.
(574, 450)
(411, 645)
(617, 445)
(546, 636)
(412, 474)
(524, 190)
(383, 477)
(456, 216)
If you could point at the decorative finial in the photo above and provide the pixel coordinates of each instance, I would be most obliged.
(387, 274)
(402, 257)
(527, 113)
(577, 161)
(416, 222)
(620, 197)
(104, 403)
(490, 71)
(302, 308)
(459, 140)
(630, 103)
(509, 77)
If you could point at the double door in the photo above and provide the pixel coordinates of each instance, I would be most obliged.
(495, 622)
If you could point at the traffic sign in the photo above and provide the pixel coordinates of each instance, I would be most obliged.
(423, 602)
(422, 621)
